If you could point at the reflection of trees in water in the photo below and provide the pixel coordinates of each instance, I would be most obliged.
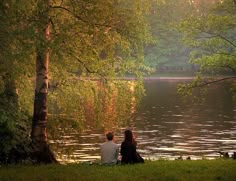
(111, 105)
(166, 125)
(94, 105)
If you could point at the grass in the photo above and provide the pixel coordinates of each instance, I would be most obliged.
(156, 170)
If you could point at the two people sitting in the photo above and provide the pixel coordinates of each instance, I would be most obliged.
(110, 150)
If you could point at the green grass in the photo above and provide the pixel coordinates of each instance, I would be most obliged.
(157, 170)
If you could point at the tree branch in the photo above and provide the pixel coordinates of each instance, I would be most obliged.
(214, 81)
(226, 54)
(79, 17)
(69, 11)
(229, 67)
(90, 71)
(216, 35)
(85, 66)
(230, 42)
(53, 25)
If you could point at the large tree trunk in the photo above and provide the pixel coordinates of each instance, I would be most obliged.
(41, 150)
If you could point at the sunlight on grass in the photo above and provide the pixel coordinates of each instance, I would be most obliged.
(151, 170)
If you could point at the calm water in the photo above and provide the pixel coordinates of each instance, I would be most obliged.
(167, 126)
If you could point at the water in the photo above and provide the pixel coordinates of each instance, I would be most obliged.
(167, 126)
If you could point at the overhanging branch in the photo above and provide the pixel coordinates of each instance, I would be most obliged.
(80, 18)
(212, 82)
(229, 67)
(70, 12)
(217, 35)
(85, 66)
(89, 70)
(230, 42)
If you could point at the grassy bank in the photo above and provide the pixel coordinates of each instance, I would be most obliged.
(156, 170)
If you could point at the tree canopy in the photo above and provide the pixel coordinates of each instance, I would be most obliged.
(99, 39)
(167, 51)
(211, 36)
(93, 42)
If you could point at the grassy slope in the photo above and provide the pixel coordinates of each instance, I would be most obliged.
(157, 170)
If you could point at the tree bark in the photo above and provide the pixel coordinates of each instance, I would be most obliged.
(41, 150)
(39, 122)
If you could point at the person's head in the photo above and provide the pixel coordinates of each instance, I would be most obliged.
(109, 136)
(128, 136)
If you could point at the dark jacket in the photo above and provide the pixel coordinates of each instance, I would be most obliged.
(128, 152)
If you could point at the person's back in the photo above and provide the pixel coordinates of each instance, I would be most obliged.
(109, 151)
(128, 152)
(128, 149)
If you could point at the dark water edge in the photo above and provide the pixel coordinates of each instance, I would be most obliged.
(166, 126)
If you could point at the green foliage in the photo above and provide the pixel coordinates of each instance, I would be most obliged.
(94, 39)
(167, 50)
(211, 36)
(98, 40)
(92, 104)
(195, 88)
(102, 38)
(14, 131)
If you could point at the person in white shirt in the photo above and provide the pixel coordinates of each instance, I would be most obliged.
(109, 150)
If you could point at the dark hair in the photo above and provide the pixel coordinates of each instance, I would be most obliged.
(129, 136)
(110, 136)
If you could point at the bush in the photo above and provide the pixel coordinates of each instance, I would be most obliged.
(14, 133)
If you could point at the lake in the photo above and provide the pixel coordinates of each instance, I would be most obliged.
(167, 126)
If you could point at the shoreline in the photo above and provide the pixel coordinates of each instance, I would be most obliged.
(156, 78)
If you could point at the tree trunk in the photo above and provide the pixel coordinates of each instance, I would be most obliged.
(41, 150)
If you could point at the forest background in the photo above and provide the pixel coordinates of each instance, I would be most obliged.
(61, 62)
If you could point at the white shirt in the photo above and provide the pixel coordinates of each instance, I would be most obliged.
(109, 152)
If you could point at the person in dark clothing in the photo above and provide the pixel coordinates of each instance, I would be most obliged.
(128, 149)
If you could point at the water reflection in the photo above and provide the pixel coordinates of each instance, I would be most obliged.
(166, 126)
